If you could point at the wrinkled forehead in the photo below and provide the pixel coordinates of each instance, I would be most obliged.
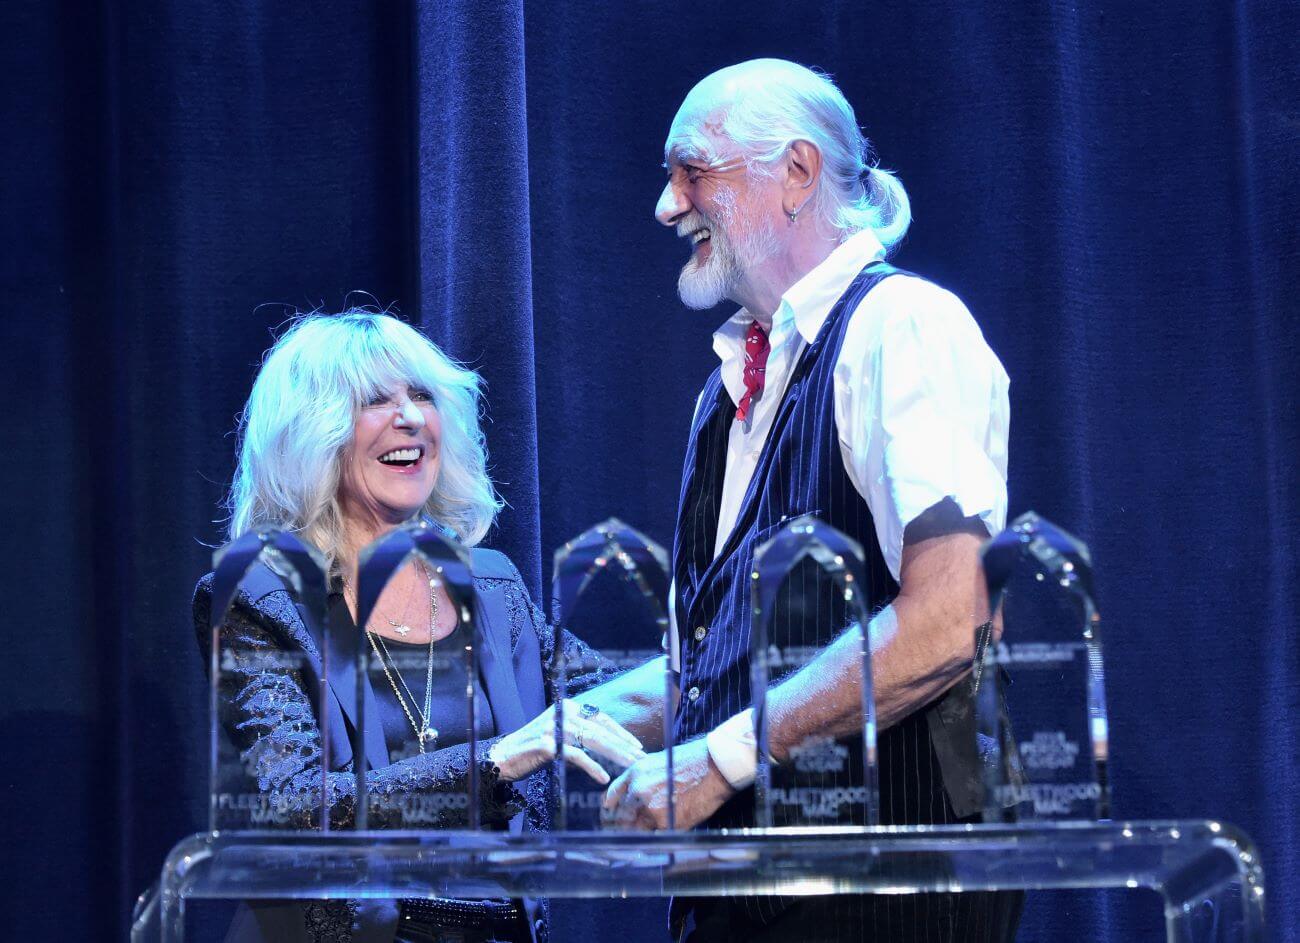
(697, 132)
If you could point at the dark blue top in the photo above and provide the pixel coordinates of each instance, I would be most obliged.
(449, 714)
(450, 711)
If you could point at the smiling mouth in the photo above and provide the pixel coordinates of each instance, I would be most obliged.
(405, 457)
(698, 237)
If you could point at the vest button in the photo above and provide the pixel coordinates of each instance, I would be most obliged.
(693, 694)
(700, 632)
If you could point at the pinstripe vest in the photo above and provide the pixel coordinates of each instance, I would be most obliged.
(800, 471)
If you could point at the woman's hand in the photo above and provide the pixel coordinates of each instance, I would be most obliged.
(586, 730)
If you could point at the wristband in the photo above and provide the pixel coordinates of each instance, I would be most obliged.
(734, 749)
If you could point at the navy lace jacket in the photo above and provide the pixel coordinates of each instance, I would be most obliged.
(269, 709)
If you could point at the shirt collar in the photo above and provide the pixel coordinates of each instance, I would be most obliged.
(729, 338)
(812, 297)
(808, 300)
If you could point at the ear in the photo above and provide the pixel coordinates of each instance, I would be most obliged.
(803, 170)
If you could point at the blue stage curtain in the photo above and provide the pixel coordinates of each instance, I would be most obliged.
(474, 250)
(1111, 189)
(178, 179)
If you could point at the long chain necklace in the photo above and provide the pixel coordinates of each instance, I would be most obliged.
(424, 732)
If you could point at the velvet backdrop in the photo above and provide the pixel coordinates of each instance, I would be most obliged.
(1110, 189)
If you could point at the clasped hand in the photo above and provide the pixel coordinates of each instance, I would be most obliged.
(587, 734)
(638, 799)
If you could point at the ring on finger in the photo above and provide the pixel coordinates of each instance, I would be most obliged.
(577, 739)
(589, 710)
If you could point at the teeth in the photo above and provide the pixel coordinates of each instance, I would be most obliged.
(699, 236)
(400, 455)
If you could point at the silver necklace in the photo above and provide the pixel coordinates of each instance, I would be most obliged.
(425, 733)
(401, 628)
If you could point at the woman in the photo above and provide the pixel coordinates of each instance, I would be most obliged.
(357, 424)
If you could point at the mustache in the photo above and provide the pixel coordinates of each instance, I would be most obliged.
(696, 220)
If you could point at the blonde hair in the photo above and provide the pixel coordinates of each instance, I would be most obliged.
(300, 415)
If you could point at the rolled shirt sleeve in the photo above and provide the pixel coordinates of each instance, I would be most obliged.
(922, 410)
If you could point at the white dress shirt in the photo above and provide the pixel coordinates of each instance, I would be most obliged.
(920, 400)
(921, 407)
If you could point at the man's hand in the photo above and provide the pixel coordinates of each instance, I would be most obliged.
(635, 699)
(639, 798)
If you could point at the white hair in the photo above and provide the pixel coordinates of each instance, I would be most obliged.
(299, 420)
(775, 103)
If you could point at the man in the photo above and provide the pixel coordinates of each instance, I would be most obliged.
(868, 398)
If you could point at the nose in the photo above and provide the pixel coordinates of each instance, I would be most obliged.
(408, 414)
(672, 205)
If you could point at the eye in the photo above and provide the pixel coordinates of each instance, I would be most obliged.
(419, 394)
(379, 399)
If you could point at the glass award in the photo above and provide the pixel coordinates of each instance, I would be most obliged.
(807, 586)
(1040, 689)
(412, 674)
(621, 578)
(247, 764)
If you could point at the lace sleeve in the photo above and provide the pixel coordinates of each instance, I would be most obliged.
(267, 713)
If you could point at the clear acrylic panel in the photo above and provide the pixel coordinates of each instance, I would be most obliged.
(408, 671)
(1040, 702)
(586, 569)
(1207, 873)
(821, 782)
(242, 760)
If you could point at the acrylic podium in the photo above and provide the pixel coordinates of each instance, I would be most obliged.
(1207, 873)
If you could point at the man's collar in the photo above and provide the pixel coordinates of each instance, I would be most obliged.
(810, 299)
(729, 338)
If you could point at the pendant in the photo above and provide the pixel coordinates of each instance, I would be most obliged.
(428, 735)
(402, 630)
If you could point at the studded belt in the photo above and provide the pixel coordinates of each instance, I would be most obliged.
(504, 918)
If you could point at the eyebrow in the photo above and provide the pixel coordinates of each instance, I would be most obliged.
(709, 164)
(681, 152)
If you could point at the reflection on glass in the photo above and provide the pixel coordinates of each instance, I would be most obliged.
(821, 782)
(239, 671)
(417, 676)
(582, 565)
(1045, 671)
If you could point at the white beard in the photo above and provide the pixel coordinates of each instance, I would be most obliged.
(704, 285)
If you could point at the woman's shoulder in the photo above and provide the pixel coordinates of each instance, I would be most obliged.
(261, 589)
(491, 564)
(258, 583)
